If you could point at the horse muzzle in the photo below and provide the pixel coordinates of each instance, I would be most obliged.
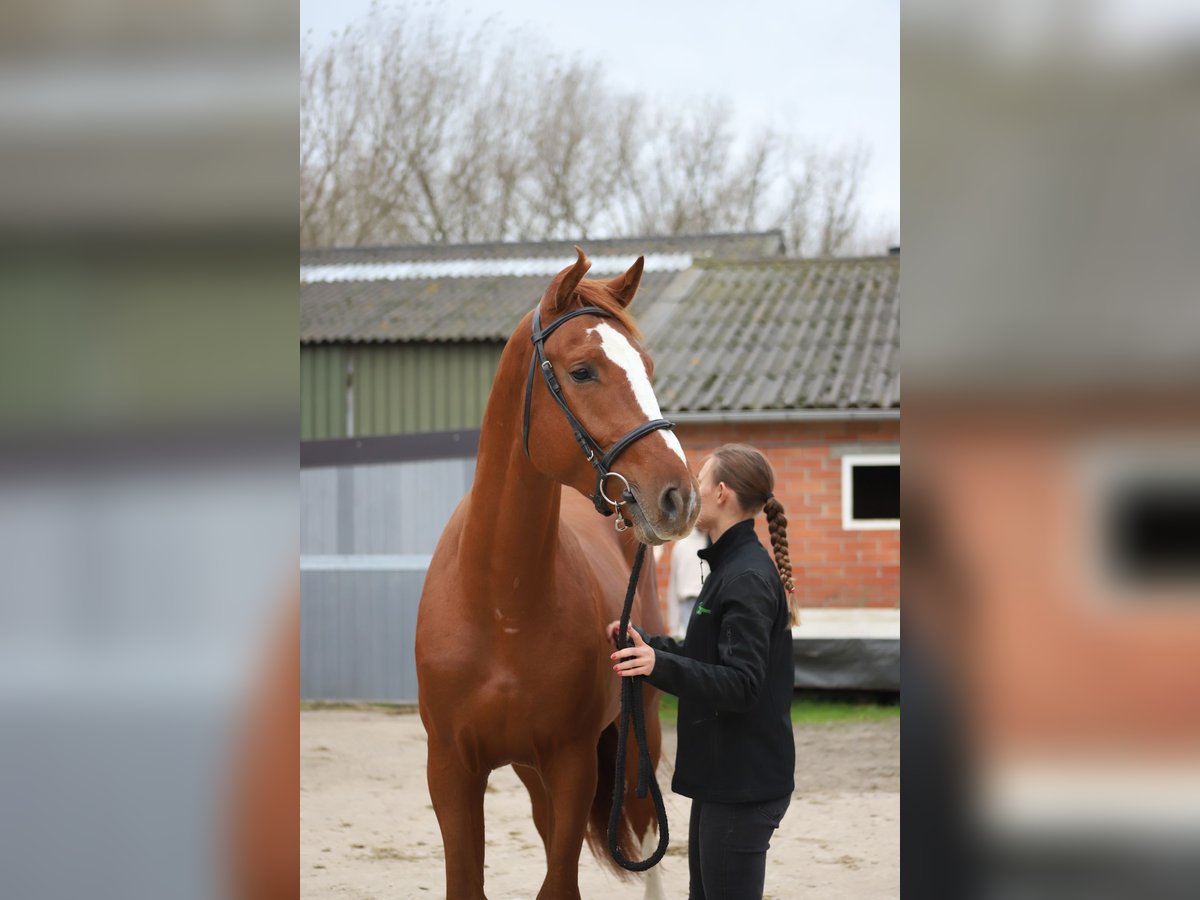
(675, 511)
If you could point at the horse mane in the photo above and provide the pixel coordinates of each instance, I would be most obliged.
(593, 292)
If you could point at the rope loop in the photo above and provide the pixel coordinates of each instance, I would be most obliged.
(632, 708)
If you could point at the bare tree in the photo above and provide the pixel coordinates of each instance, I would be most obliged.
(413, 131)
(690, 176)
(330, 120)
(820, 212)
(838, 190)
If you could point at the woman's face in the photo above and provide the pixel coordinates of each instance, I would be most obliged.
(708, 498)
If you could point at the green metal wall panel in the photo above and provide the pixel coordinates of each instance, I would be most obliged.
(397, 388)
(322, 392)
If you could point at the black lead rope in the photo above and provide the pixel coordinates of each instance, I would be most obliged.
(631, 708)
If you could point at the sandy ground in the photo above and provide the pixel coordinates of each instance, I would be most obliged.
(367, 829)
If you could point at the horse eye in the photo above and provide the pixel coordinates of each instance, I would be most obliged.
(581, 374)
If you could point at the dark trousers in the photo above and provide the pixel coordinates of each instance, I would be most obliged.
(727, 848)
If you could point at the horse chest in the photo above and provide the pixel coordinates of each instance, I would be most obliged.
(501, 721)
(539, 669)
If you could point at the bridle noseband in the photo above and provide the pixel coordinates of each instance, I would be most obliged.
(600, 458)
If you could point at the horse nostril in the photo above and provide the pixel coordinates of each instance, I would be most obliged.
(671, 502)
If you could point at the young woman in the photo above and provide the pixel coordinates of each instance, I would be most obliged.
(733, 675)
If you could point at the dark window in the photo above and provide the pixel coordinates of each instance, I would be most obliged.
(1153, 531)
(876, 492)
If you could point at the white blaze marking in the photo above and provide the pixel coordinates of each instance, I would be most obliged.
(618, 349)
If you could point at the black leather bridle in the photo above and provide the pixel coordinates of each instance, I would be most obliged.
(600, 458)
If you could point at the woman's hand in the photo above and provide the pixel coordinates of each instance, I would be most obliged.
(635, 660)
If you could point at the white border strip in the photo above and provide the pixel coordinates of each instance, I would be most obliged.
(835, 623)
(485, 268)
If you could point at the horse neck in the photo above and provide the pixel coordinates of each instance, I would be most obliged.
(510, 532)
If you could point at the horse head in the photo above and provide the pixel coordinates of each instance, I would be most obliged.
(604, 375)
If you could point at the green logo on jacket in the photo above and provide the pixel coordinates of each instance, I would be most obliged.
(701, 609)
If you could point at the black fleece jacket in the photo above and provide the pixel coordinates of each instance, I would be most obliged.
(734, 678)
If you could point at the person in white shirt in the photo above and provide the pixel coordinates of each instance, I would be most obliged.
(683, 584)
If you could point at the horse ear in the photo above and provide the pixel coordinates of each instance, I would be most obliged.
(564, 283)
(625, 286)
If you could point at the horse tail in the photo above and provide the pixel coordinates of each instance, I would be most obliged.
(597, 830)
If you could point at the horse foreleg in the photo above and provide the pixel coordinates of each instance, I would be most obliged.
(539, 801)
(570, 779)
(457, 795)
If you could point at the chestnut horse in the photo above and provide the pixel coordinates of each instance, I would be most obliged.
(511, 654)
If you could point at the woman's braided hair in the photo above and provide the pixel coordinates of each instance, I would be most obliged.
(750, 477)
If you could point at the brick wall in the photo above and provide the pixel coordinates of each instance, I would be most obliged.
(831, 566)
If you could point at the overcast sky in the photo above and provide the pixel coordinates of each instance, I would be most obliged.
(826, 71)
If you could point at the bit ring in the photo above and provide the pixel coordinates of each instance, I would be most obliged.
(613, 503)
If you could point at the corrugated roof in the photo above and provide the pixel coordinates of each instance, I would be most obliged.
(449, 309)
(774, 335)
(486, 303)
(766, 334)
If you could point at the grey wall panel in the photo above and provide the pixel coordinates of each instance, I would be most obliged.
(400, 507)
(394, 508)
(406, 664)
(318, 510)
(357, 632)
(367, 533)
(431, 492)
